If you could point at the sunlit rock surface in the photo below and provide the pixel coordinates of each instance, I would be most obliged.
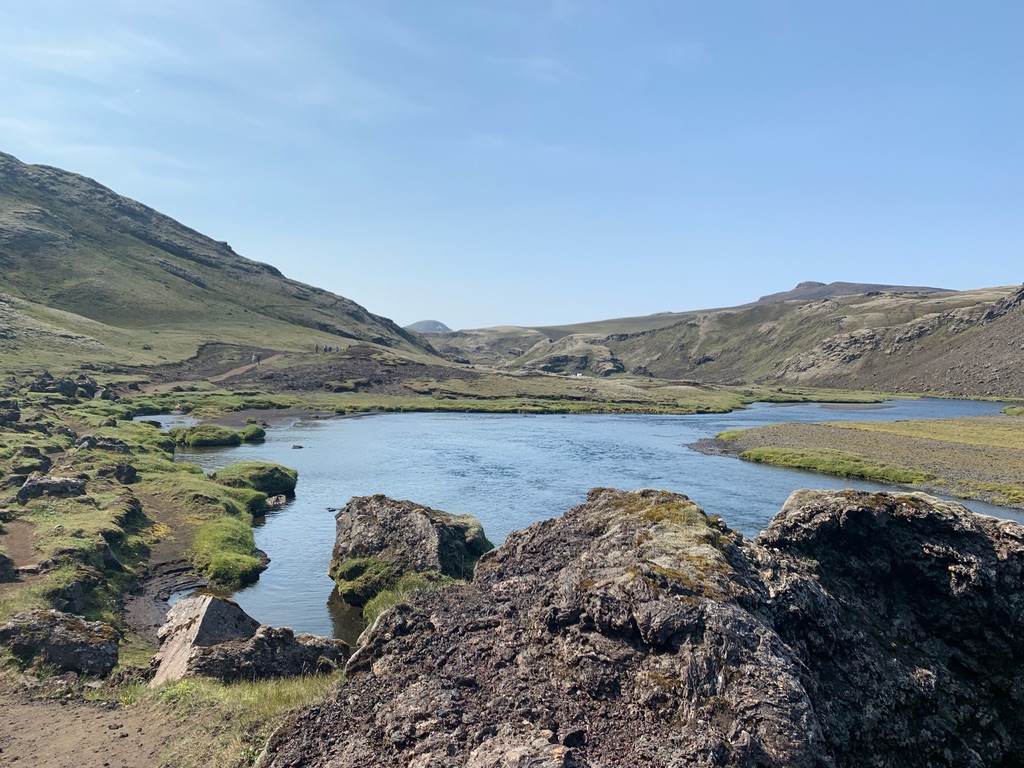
(858, 629)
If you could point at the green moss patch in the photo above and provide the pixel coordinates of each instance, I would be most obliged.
(403, 589)
(271, 479)
(360, 579)
(835, 463)
(204, 435)
(225, 552)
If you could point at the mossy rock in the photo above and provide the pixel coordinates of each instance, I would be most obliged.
(253, 433)
(360, 579)
(203, 435)
(271, 479)
(224, 551)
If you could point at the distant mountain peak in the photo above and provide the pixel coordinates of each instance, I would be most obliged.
(429, 326)
(811, 290)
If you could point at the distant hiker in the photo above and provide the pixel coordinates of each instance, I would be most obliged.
(258, 358)
(316, 347)
(254, 358)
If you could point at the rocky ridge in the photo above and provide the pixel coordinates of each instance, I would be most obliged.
(857, 629)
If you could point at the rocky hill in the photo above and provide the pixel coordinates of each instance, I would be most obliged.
(811, 289)
(95, 273)
(857, 629)
(958, 343)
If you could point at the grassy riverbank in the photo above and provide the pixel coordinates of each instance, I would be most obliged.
(972, 458)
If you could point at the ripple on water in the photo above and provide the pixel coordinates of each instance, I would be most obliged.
(509, 472)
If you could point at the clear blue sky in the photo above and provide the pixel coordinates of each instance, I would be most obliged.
(486, 162)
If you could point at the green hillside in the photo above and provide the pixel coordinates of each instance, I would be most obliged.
(86, 270)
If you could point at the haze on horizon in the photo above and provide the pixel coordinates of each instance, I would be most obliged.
(541, 162)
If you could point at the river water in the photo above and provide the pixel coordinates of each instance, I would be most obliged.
(510, 471)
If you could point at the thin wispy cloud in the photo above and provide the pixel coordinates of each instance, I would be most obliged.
(543, 69)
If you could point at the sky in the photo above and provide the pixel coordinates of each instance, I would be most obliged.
(540, 162)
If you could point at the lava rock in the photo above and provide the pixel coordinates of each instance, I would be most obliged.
(40, 485)
(858, 629)
(62, 640)
(378, 540)
(212, 637)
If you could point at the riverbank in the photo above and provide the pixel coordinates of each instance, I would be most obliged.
(977, 457)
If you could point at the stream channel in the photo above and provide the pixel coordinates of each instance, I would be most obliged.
(510, 471)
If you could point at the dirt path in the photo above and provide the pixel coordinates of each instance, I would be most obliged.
(62, 733)
(167, 386)
(18, 539)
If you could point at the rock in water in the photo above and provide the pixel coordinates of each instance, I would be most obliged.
(61, 640)
(858, 629)
(379, 540)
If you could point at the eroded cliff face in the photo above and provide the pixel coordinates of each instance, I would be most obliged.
(858, 629)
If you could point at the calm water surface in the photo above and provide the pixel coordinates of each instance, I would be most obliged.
(510, 471)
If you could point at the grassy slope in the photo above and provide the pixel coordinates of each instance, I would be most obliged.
(889, 341)
(125, 275)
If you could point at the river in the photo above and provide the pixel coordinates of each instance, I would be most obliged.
(510, 471)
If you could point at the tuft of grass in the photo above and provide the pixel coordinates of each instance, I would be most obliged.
(224, 552)
(1014, 410)
(835, 463)
(253, 433)
(402, 591)
(233, 722)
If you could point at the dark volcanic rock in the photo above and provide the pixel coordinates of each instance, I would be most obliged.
(379, 540)
(208, 636)
(859, 629)
(270, 652)
(10, 413)
(40, 485)
(61, 640)
(29, 459)
(6, 568)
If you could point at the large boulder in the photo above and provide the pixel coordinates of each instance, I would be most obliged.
(63, 641)
(197, 621)
(6, 568)
(208, 636)
(37, 485)
(271, 652)
(379, 540)
(859, 629)
(10, 412)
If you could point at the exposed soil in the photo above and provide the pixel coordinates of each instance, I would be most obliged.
(74, 733)
(367, 368)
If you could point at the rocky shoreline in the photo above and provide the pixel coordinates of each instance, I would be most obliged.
(857, 629)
